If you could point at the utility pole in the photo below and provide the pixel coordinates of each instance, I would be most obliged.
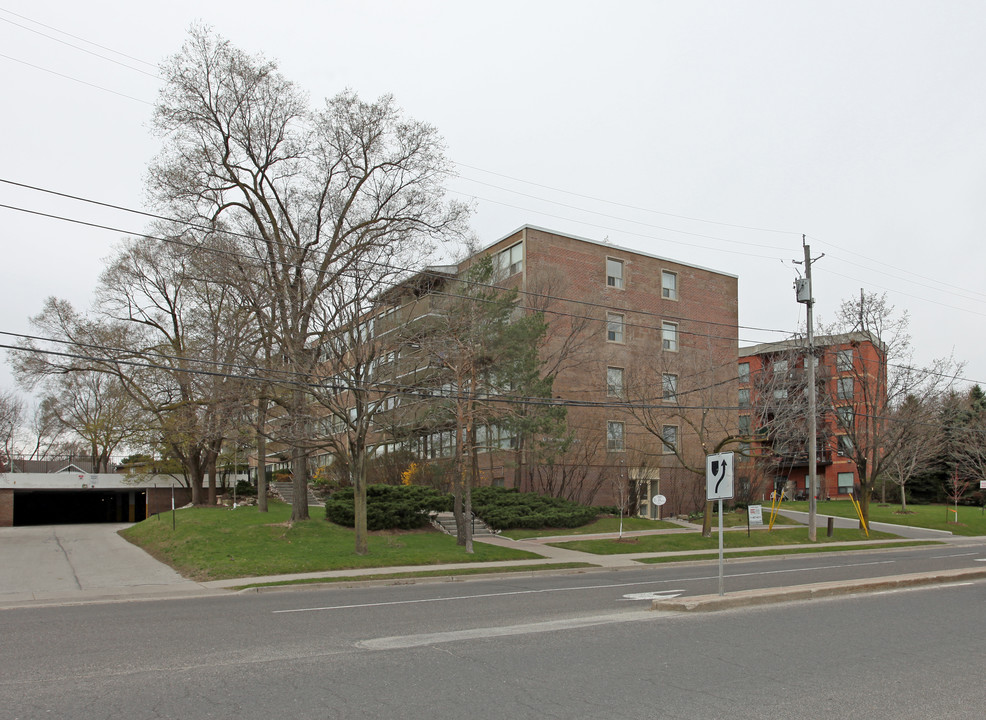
(804, 291)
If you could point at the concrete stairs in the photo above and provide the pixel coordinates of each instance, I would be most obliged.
(445, 522)
(285, 491)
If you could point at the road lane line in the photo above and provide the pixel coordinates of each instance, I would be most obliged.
(568, 589)
(401, 642)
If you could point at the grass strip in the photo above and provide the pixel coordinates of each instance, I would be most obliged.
(781, 551)
(422, 574)
(971, 519)
(221, 543)
(681, 542)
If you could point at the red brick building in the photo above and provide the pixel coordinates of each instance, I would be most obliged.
(851, 384)
(641, 347)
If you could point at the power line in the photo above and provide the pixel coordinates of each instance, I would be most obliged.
(81, 49)
(75, 79)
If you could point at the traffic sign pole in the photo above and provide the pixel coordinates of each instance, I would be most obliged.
(719, 486)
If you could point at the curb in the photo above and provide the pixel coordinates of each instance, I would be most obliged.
(813, 591)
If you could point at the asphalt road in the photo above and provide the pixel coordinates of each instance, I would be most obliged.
(567, 646)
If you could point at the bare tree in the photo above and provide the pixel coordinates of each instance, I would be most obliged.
(94, 407)
(877, 379)
(11, 416)
(918, 453)
(310, 194)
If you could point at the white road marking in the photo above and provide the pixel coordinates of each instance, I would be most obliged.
(980, 559)
(399, 642)
(937, 557)
(571, 589)
(659, 595)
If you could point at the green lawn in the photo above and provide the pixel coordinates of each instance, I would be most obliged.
(681, 542)
(662, 559)
(602, 525)
(971, 519)
(219, 543)
(738, 519)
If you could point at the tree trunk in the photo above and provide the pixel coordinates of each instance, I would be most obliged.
(299, 458)
(358, 478)
(212, 481)
(707, 520)
(261, 455)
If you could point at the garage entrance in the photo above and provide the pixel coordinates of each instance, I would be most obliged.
(67, 507)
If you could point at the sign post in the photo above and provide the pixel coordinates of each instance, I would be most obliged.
(719, 486)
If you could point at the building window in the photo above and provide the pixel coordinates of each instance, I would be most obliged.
(669, 435)
(846, 482)
(845, 446)
(780, 393)
(669, 336)
(669, 386)
(669, 285)
(843, 360)
(511, 261)
(614, 382)
(780, 367)
(744, 397)
(846, 416)
(744, 372)
(744, 425)
(615, 437)
(615, 327)
(614, 273)
(845, 388)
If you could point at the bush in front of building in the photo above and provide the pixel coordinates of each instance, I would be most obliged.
(504, 509)
(388, 507)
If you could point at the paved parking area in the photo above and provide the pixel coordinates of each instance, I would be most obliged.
(62, 563)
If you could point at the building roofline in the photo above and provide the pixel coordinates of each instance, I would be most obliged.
(621, 248)
(821, 341)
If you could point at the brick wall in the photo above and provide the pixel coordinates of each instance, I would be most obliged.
(6, 507)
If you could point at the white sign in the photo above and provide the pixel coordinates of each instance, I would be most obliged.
(982, 484)
(755, 514)
(659, 500)
(719, 476)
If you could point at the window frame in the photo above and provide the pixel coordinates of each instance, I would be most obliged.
(673, 395)
(841, 386)
(844, 360)
(669, 345)
(504, 263)
(669, 292)
(842, 488)
(743, 372)
(743, 398)
(616, 441)
(611, 389)
(618, 336)
(620, 280)
(665, 449)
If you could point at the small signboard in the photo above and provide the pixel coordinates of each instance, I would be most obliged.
(719, 476)
(755, 514)
(982, 484)
(659, 500)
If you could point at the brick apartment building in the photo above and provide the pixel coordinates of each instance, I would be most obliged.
(851, 382)
(643, 347)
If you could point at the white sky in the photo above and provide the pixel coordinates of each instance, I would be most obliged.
(862, 125)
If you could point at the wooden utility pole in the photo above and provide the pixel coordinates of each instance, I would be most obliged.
(804, 291)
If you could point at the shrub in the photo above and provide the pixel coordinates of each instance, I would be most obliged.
(504, 509)
(388, 507)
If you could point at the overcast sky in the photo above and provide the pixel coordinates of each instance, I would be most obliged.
(714, 133)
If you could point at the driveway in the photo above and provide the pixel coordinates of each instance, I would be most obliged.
(66, 563)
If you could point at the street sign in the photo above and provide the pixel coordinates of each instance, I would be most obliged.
(719, 476)
(755, 514)
(659, 500)
(982, 484)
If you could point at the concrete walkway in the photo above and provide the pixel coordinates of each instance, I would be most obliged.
(65, 563)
